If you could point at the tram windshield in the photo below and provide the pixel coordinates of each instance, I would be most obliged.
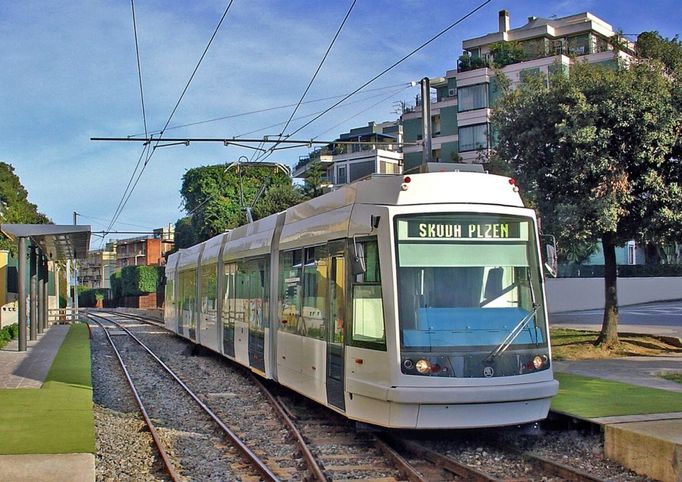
(469, 281)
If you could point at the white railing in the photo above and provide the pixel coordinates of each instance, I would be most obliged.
(62, 315)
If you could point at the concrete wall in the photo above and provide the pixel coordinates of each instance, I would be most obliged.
(569, 294)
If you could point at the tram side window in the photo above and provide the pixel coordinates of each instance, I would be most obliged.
(315, 285)
(290, 288)
(209, 290)
(188, 298)
(251, 292)
(368, 327)
(169, 303)
(229, 308)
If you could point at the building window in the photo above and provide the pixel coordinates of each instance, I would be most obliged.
(472, 97)
(358, 170)
(473, 137)
(579, 44)
(435, 124)
(341, 175)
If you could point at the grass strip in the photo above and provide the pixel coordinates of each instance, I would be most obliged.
(595, 397)
(57, 418)
(673, 377)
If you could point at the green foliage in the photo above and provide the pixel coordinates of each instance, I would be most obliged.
(215, 196)
(89, 297)
(8, 334)
(277, 199)
(506, 53)
(466, 62)
(576, 252)
(185, 234)
(137, 280)
(14, 204)
(595, 154)
(314, 175)
(651, 45)
(116, 282)
(148, 279)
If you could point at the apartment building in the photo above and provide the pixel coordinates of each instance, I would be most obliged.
(373, 148)
(95, 270)
(461, 107)
(145, 250)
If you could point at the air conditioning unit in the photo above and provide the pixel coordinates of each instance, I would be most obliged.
(452, 92)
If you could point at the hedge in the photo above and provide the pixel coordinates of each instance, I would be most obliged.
(624, 270)
(89, 298)
(8, 334)
(136, 280)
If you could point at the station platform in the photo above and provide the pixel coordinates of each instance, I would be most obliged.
(28, 369)
(35, 406)
(640, 413)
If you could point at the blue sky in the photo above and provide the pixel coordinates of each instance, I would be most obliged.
(68, 72)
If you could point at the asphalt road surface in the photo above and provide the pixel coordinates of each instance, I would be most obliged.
(661, 318)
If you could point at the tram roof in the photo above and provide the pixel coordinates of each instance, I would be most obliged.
(56, 241)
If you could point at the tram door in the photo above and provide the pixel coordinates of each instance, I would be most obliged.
(335, 325)
(229, 307)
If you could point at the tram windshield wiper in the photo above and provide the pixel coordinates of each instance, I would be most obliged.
(506, 343)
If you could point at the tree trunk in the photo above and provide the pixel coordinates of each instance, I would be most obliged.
(608, 337)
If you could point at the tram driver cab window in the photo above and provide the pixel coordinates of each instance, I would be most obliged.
(368, 328)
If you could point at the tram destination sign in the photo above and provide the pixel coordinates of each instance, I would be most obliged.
(420, 229)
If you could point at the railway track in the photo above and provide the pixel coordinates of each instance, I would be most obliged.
(150, 387)
(328, 447)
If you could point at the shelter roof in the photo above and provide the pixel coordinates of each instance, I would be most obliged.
(56, 241)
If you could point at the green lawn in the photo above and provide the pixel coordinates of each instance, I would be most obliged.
(56, 418)
(593, 397)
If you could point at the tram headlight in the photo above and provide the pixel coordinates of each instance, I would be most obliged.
(423, 366)
(538, 362)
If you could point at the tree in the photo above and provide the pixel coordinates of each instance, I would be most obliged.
(215, 197)
(593, 152)
(314, 175)
(277, 199)
(506, 53)
(185, 235)
(14, 204)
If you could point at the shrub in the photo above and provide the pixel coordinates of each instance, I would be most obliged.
(8, 333)
(136, 280)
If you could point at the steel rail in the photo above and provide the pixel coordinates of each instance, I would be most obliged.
(152, 429)
(243, 448)
(134, 316)
(310, 459)
(555, 468)
(445, 462)
(405, 467)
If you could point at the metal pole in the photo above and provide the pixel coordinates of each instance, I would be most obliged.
(75, 275)
(34, 296)
(42, 326)
(426, 123)
(22, 294)
(55, 270)
(69, 299)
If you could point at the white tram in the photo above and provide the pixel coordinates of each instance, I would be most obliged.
(401, 301)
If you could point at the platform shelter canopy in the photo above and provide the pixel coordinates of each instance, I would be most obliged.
(56, 241)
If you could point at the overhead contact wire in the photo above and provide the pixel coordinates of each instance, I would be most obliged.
(317, 71)
(261, 111)
(126, 197)
(395, 64)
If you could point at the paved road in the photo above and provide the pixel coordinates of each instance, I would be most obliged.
(662, 318)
